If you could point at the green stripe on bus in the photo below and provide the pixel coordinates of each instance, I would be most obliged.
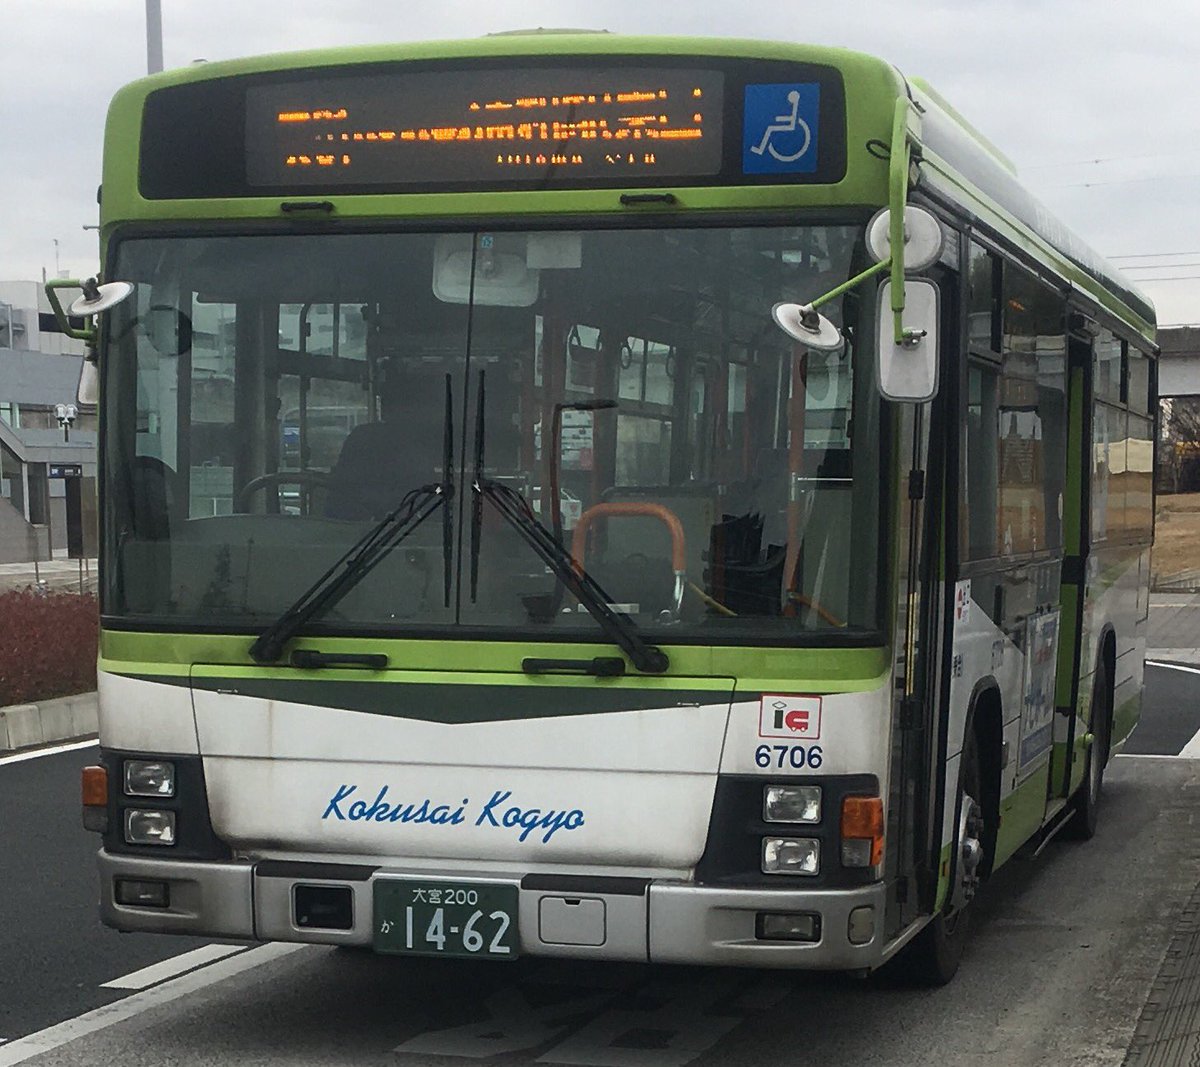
(758, 670)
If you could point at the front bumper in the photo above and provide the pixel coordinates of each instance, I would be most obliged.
(658, 922)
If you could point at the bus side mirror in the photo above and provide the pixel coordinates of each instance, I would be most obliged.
(908, 372)
(87, 392)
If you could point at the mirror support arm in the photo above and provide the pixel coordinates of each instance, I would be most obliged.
(898, 165)
(845, 287)
(88, 333)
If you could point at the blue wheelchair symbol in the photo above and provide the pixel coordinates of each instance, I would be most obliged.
(780, 128)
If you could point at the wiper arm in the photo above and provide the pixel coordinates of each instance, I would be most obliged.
(618, 626)
(354, 565)
(362, 556)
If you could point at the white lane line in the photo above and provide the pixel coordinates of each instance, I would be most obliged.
(1192, 749)
(1150, 755)
(160, 972)
(25, 1048)
(20, 757)
(1172, 666)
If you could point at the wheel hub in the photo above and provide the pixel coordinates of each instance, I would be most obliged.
(970, 830)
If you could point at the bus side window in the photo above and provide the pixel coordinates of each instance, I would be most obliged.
(981, 471)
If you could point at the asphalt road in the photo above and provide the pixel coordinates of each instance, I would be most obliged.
(1064, 951)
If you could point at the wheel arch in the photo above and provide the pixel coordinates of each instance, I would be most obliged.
(985, 721)
(1106, 659)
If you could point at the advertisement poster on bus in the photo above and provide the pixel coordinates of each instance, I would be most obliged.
(1041, 660)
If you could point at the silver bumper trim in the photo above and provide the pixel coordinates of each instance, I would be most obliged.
(206, 898)
(677, 922)
(706, 924)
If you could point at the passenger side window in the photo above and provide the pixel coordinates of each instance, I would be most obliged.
(1015, 460)
(1122, 465)
(981, 474)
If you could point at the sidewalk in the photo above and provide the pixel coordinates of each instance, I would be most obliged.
(68, 575)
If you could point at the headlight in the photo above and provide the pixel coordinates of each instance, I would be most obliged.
(145, 827)
(791, 855)
(149, 778)
(792, 803)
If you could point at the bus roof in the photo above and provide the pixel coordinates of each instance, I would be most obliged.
(958, 165)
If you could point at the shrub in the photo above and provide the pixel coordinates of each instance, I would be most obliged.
(47, 645)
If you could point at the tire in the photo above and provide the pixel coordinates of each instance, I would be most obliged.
(934, 956)
(1082, 826)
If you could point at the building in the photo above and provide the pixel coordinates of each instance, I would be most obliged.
(47, 476)
(1178, 463)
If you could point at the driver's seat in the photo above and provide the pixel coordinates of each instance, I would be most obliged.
(379, 463)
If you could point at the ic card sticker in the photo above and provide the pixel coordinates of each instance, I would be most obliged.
(794, 717)
(962, 601)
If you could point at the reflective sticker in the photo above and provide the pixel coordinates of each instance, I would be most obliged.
(789, 716)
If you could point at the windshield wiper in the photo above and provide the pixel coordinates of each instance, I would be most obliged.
(515, 509)
(362, 556)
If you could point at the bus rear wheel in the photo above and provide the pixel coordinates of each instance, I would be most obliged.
(936, 952)
(1082, 826)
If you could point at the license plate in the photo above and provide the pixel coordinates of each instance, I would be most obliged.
(423, 918)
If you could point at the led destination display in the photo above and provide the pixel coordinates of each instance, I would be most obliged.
(485, 126)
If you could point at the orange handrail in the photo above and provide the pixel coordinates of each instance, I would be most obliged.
(630, 509)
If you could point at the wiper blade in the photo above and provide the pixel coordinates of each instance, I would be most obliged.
(362, 556)
(515, 508)
(354, 565)
(617, 625)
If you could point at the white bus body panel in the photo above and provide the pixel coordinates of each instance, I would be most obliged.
(628, 789)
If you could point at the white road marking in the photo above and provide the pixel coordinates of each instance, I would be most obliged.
(1172, 666)
(20, 757)
(1151, 755)
(1189, 751)
(1192, 749)
(160, 972)
(56, 1036)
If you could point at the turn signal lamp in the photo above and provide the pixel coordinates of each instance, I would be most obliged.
(862, 831)
(94, 791)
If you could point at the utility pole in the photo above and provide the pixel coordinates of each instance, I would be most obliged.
(154, 58)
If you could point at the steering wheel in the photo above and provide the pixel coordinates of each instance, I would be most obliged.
(274, 479)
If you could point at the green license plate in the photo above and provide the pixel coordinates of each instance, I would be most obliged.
(434, 918)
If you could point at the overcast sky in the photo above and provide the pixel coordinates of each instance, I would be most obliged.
(1056, 84)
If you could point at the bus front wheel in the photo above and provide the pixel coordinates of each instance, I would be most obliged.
(936, 952)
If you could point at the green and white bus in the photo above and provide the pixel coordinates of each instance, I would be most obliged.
(605, 497)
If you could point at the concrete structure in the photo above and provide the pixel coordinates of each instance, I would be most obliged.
(49, 721)
(40, 472)
(1179, 362)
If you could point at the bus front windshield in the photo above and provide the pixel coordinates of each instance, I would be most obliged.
(269, 398)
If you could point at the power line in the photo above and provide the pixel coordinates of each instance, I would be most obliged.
(1108, 159)
(1158, 266)
(1155, 255)
(1172, 278)
(1125, 181)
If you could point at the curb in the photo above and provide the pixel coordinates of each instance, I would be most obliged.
(61, 719)
(1189, 656)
